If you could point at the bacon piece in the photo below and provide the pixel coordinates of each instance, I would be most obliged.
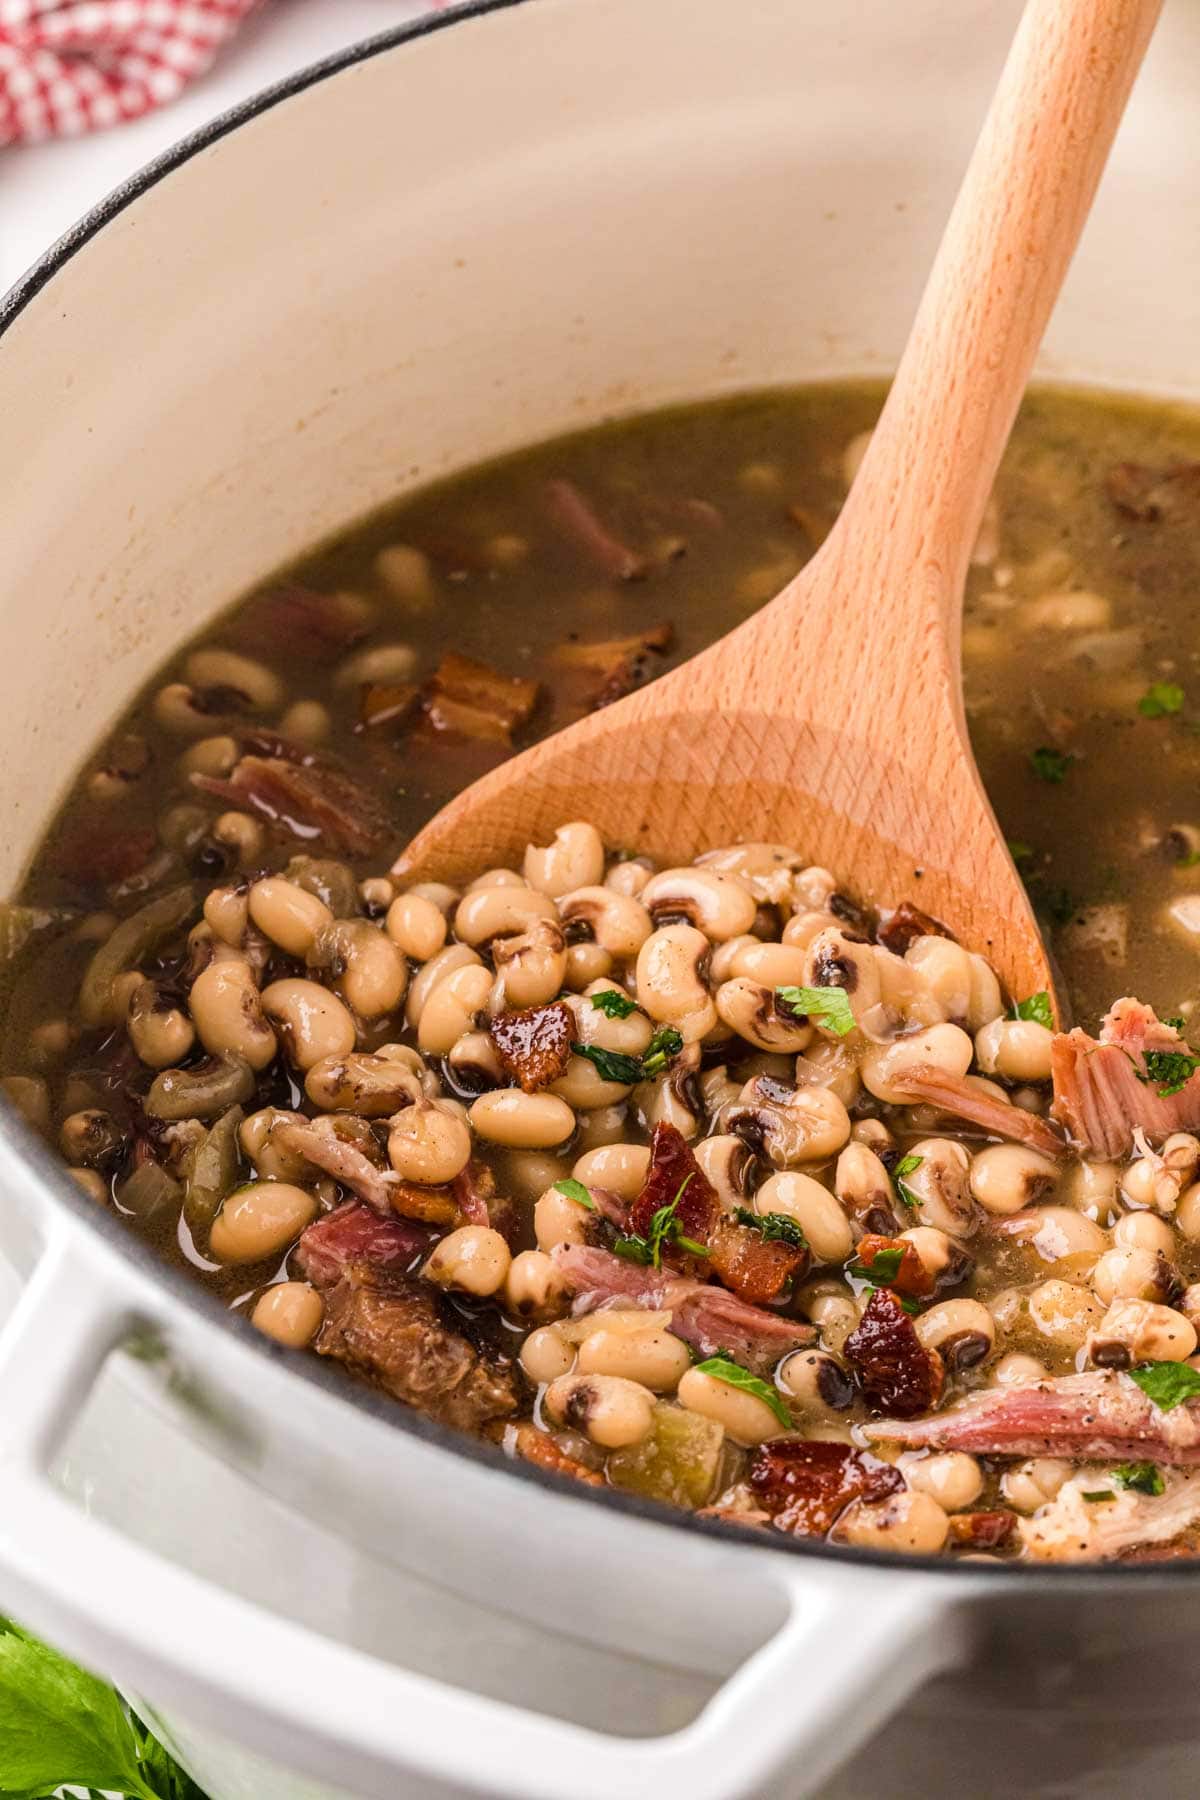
(998, 1118)
(386, 703)
(1101, 1091)
(895, 1371)
(1072, 1527)
(352, 1234)
(758, 1269)
(982, 1530)
(534, 1045)
(601, 655)
(906, 924)
(576, 517)
(705, 1316)
(539, 1447)
(673, 1172)
(311, 798)
(473, 700)
(911, 1277)
(339, 1158)
(1103, 1414)
(806, 1486)
(392, 1330)
(1148, 494)
(309, 625)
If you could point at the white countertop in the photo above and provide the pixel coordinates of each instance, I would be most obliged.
(44, 188)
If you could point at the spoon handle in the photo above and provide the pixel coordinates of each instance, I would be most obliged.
(1015, 224)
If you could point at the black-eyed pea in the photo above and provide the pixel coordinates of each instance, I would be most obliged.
(655, 1358)
(367, 969)
(1075, 610)
(1018, 1370)
(755, 1013)
(573, 859)
(883, 1066)
(874, 1133)
(832, 1308)
(1134, 1331)
(546, 1355)
(815, 1383)
(474, 1259)
(745, 1418)
(496, 878)
(436, 970)
(834, 959)
(306, 722)
(716, 903)
(370, 1086)
(586, 963)
(963, 1332)
(1090, 1187)
(290, 1312)
(945, 1260)
(611, 1411)
(210, 756)
(603, 1125)
(584, 1089)
(309, 1021)
(950, 1477)
(522, 1121)
(832, 1064)
(1033, 1484)
(1187, 1213)
(390, 663)
(227, 911)
(159, 1031)
(986, 1002)
(241, 834)
(621, 1168)
(31, 1098)
(817, 1212)
(531, 966)
(804, 927)
(257, 685)
(940, 1184)
(670, 1099)
(729, 1165)
(429, 1143)
(527, 1173)
(630, 1036)
(1008, 1177)
(671, 984)
(558, 1219)
(910, 1521)
(1059, 1234)
(486, 913)
(534, 1287)
(1189, 1303)
(774, 965)
(1145, 1231)
(864, 1189)
(227, 1011)
(475, 1062)
(452, 1008)
(1018, 1049)
(1063, 1313)
(724, 957)
(904, 992)
(797, 1125)
(616, 922)
(416, 926)
(272, 1161)
(1132, 1272)
(260, 1220)
(945, 968)
(91, 1183)
(406, 574)
(628, 878)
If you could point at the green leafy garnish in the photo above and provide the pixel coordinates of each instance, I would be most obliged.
(1049, 764)
(1098, 1494)
(1170, 1069)
(61, 1726)
(1142, 1477)
(1037, 1008)
(615, 1065)
(1018, 851)
(575, 1190)
(664, 1229)
(725, 1369)
(777, 1226)
(1160, 699)
(906, 1166)
(829, 1006)
(884, 1267)
(1188, 860)
(663, 1046)
(614, 1004)
(1167, 1384)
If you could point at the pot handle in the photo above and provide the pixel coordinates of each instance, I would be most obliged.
(852, 1644)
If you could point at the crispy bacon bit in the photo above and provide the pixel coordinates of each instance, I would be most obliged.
(310, 796)
(705, 1316)
(534, 1045)
(806, 1486)
(602, 655)
(538, 1447)
(897, 1374)
(386, 703)
(760, 1270)
(1149, 494)
(902, 927)
(577, 519)
(674, 1171)
(998, 1118)
(473, 1190)
(392, 1330)
(911, 1277)
(91, 850)
(1101, 1091)
(982, 1530)
(427, 1205)
(311, 625)
(354, 1233)
(473, 700)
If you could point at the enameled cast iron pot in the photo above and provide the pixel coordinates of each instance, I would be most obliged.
(517, 218)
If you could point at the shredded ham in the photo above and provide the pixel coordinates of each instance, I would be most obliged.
(999, 1118)
(1101, 1093)
(344, 1161)
(1072, 1526)
(577, 519)
(355, 1234)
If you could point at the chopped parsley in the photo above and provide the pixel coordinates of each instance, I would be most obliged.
(575, 1190)
(663, 1046)
(1142, 1477)
(664, 1229)
(773, 1226)
(1170, 1069)
(1037, 1008)
(884, 1266)
(1020, 852)
(1102, 1495)
(908, 1165)
(1167, 1384)
(1049, 764)
(1188, 860)
(1160, 699)
(733, 1374)
(829, 1006)
(615, 1065)
(614, 1004)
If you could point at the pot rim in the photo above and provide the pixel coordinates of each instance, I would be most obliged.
(54, 1185)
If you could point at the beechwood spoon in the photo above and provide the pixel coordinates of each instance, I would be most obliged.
(832, 721)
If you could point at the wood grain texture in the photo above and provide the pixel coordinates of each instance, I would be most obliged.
(833, 720)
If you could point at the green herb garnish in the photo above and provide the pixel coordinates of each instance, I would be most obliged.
(614, 1065)
(1167, 1384)
(1160, 699)
(1018, 851)
(725, 1369)
(884, 1267)
(662, 1048)
(1188, 860)
(1171, 1069)
(1142, 1477)
(906, 1166)
(773, 1226)
(664, 1229)
(829, 1006)
(1098, 1494)
(613, 1003)
(1049, 764)
(575, 1190)
(1037, 1008)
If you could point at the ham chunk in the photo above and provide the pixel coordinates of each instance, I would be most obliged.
(894, 1369)
(334, 1155)
(1074, 1526)
(534, 1045)
(356, 1234)
(758, 1269)
(579, 521)
(304, 794)
(958, 1095)
(1104, 1090)
(470, 699)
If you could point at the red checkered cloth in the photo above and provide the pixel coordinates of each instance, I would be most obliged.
(69, 66)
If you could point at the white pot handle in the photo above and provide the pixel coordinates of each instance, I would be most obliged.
(852, 1644)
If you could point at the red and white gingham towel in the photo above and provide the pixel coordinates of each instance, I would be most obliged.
(68, 66)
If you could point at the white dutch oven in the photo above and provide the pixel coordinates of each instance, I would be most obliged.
(450, 242)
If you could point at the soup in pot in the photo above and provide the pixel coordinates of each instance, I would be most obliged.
(716, 1184)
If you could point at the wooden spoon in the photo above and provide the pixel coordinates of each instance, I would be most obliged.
(832, 720)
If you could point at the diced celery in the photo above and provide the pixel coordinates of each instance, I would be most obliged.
(677, 1462)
